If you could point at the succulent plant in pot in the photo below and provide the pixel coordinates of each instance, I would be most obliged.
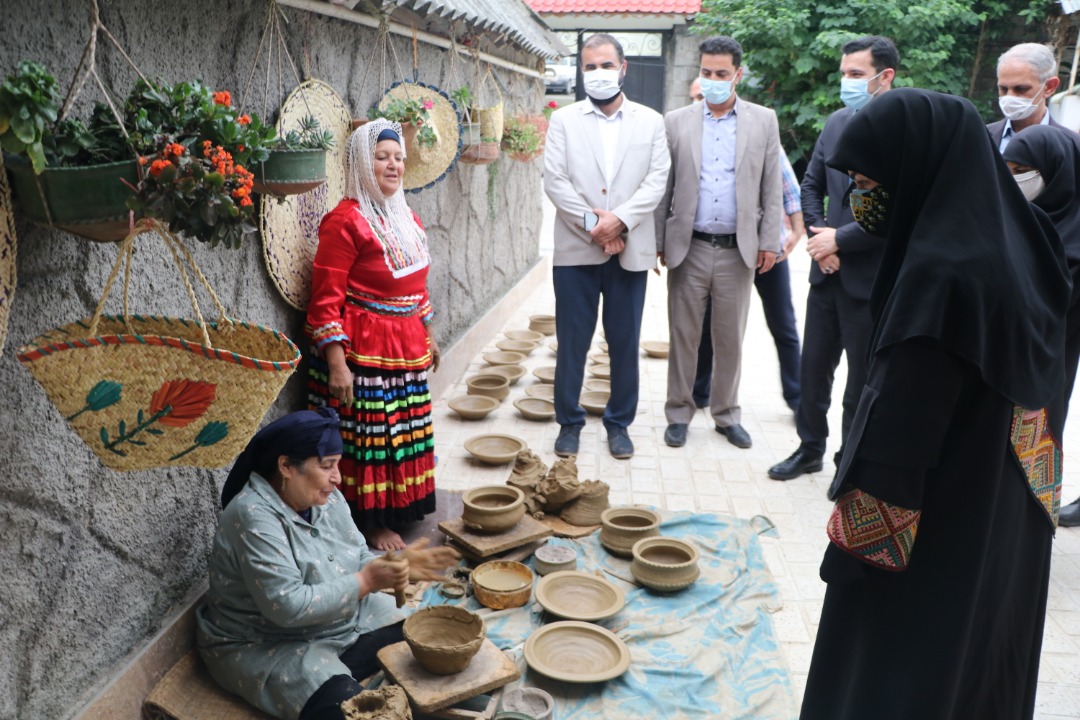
(297, 161)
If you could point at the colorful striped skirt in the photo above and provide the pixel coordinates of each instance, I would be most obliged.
(388, 462)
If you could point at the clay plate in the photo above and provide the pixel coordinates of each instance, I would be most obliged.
(520, 346)
(594, 401)
(525, 335)
(473, 407)
(512, 373)
(495, 449)
(545, 374)
(597, 384)
(534, 408)
(655, 348)
(504, 357)
(541, 390)
(576, 652)
(601, 371)
(576, 595)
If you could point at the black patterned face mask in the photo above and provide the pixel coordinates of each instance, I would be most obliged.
(871, 209)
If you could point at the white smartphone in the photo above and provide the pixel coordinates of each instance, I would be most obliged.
(590, 220)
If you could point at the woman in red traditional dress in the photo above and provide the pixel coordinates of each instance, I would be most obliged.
(369, 321)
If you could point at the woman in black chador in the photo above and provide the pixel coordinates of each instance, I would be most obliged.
(948, 492)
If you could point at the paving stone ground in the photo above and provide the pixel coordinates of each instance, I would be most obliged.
(711, 475)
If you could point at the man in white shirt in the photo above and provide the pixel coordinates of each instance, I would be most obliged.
(1026, 79)
(605, 156)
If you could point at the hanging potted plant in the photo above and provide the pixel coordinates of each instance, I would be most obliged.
(297, 162)
(64, 174)
(523, 138)
(412, 114)
(476, 149)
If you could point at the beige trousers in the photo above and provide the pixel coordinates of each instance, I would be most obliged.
(719, 274)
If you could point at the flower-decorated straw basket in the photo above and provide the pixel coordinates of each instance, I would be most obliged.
(147, 391)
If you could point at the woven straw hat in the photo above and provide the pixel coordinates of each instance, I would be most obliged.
(290, 229)
(426, 166)
(7, 254)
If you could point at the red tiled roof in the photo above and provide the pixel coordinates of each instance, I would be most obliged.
(682, 7)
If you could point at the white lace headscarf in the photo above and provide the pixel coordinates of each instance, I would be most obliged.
(404, 243)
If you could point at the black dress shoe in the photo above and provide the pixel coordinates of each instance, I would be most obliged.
(1070, 514)
(736, 435)
(802, 461)
(675, 435)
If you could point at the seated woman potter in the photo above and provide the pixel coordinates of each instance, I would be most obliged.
(294, 615)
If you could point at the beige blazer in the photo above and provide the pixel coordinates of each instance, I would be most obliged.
(574, 180)
(758, 182)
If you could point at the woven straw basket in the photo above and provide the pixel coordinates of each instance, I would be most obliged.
(148, 391)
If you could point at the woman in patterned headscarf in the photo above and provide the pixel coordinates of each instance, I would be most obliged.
(370, 326)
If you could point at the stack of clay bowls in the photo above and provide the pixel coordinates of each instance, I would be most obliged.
(621, 527)
(542, 324)
(493, 508)
(665, 564)
(444, 638)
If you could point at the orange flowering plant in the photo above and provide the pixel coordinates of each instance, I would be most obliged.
(195, 150)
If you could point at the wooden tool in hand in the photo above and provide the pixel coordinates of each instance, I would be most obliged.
(399, 593)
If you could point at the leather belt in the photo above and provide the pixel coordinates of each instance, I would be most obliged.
(720, 241)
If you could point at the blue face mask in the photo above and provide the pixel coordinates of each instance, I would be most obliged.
(716, 92)
(854, 92)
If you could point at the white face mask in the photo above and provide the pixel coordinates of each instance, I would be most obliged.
(1031, 184)
(1017, 108)
(601, 84)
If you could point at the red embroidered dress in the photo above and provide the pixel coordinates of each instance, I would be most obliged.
(388, 466)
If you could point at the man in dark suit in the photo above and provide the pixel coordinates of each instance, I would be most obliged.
(1026, 79)
(846, 260)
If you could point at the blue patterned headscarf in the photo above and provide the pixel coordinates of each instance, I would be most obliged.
(302, 434)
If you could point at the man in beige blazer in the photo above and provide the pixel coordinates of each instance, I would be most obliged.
(605, 155)
(718, 224)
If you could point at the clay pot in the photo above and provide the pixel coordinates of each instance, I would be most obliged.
(527, 702)
(444, 638)
(621, 527)
(542, 324)
(665, 564)
(554, 558)
(491, 385)
(387, 703)
(493, 508)
(502, 584)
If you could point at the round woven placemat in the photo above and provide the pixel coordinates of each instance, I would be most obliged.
(426, 166)
(290, 229)
(7, 254)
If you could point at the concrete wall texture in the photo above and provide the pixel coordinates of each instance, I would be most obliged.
(92, 559)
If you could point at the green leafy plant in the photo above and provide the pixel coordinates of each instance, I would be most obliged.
(413, 111)
(309, 136)
(464, 98)
(523, 136)
(29, 104)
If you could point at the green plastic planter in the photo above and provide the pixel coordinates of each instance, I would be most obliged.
(290, 172)
(86, 201)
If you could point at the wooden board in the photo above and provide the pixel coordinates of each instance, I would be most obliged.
(481, 545)
(482, 707)
(490, 668)
(518, 554)
(563, 529)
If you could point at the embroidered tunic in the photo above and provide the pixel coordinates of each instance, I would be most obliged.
(282, 604)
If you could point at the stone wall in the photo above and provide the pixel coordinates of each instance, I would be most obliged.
(91, 559)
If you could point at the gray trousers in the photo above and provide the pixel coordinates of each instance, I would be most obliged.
(721, 274)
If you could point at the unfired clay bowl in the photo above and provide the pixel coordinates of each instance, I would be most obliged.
(473, 407)
(554, 558)
(621, 527)
(495, 449)
(525, 336)
(665, 564)
(503, 357)
(443, 638)
(541, 390)
(524, 347)
(501, 584)
(493, 508)
(534, 408)
(490, 385)
(512, 373)
(576, 652)
(655, 348)
(576, 595)
(528, 702)
(545, 374)
(601, 371)
(597, 384)
(600, 358)
(594, 401)
(542, 324)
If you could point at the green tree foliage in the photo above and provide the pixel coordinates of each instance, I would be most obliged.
(792, 48)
